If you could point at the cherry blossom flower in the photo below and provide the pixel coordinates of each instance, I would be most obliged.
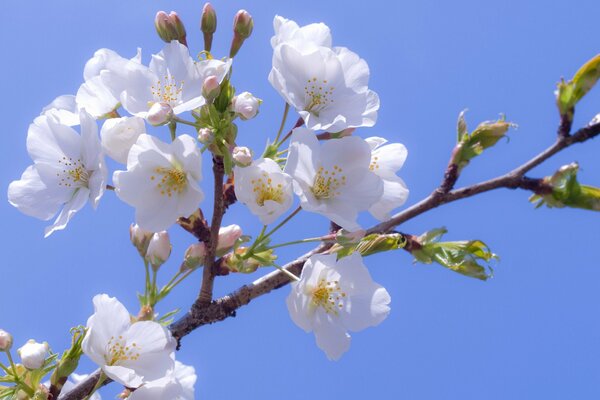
(177, 385)
(385, 163)
(161, 181)
(245, 105)
(287, 31)
(68, 170)
(264, 188)
(129, 353)
(172, 78)
(328, 87)
(334, 297)
(333, 179)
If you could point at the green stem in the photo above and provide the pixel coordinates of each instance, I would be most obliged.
(185, 122)
(309, 240)
(178, 281)
(153, 288)
(286, 220)
(147, 286)
(257, 241)
(22, 385)
(173, 130)
(283, 119)
(286, 272)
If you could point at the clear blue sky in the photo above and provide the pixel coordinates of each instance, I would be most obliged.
(531, 332)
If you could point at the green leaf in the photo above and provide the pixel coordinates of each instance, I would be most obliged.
(569, 94)
(486, 135)
(468, 257)
(566, 191)
(461, 126)
(370, 244)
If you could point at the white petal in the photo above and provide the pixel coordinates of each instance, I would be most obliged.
(31, 196)
(80, 197)
(186, 375)
(48, 141)
(64, 108)
(331, 337)
(303, 155)
(348, 153)
(119, 134)
(395, 193)
(390, 158)
(161, 389)
(96, 97)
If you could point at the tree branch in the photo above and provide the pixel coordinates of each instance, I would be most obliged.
(226, 306)
(208, 275)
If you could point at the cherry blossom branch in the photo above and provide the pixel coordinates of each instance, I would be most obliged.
(225, 307)
(208, 275)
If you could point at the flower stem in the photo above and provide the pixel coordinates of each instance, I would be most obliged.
(22, 385)
(183, 121)
(286, 220)
(286, 272)
(173, 130)
(283, 119)
(309, 240)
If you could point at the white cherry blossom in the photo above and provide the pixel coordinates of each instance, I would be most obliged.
(161, 181)
(68, 170)
(333, 178)
(129, 353)
(177, 385)
(33, 354)
(328, 87)
(173, 78)
(64, 109)
(334, 297)
(386, 161)
(286, 31)
(119, 134)
(264, 188)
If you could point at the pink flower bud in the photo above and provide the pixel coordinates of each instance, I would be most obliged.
(242, 156)
(140, 238)
(228, 235)
(206, 135)
(169, 27)
(6, 340)
(245, 105)
(211, 88)
(194, 256)
(33, 354)
(243, 24)
(159, 249)
(160, 114)
(208, 23)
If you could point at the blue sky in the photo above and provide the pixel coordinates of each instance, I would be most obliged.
(531, 332)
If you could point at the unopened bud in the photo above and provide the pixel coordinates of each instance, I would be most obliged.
(242, 156)
(160, 114)
(245, 105)
(194, 256)
(211, 88)
(140, 238)
(242, 28)
(228, 235)
(33, 354)
(243, 24)
(6, 340)
(208, 25)
(159, 249)
(206, 135)
(169, 27)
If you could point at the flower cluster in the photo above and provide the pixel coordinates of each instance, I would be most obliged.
(329, 169)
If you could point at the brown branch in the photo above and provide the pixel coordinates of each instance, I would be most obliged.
(208, 275)
(227, 306)
(84, 388)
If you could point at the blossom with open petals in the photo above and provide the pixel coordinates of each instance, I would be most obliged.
(264, 188)
(334, 297)
(68, 170)
(161, 181)
(287, 31)
(333, 178)
(328, 87)
(130, 354)
(386, 161)
(177, 385)
(172, 78)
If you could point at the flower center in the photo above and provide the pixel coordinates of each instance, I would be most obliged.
(73, 174)
(264, 190)
(329, 295)
(318, 95)
(374, 164)
(118, 351)
(167, 91)
(327, 183)
(172, 180)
